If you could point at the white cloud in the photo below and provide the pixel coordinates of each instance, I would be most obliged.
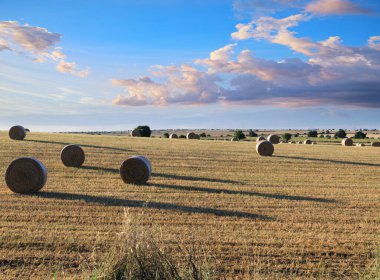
(38, 42)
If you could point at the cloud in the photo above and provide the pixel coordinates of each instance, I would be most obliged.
(374, 42)
(37, 42)
(70, 67)
(335, 7)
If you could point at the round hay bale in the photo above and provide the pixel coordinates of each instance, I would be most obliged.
(173, 136)
(260, 138)
(347, 142)
(274, 139)
(135, 170)
(27, 129)
(314, 143)
(264, 148)
(375, 144)
(192, 135)
(72, 156)
(17, 132)
(234, 139)
(360, 144)
(135, 133)
(26, 175)
(307, 142)
(299, 142)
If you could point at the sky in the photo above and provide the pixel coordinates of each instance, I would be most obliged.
(80, 65)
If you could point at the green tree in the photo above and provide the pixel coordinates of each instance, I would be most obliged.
(360, 135)
(251, 133)
(312, 133)
(287, 136)
(144, 130)
(340, 134)
(239, 134)
(202, 134)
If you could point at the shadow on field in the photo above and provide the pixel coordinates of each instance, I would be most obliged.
(82, 145)
(330, 161)
(225, 191)
(110, 201)
(97, 168)
(191, 178)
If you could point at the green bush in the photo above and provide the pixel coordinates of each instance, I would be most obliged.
(360, 135)
(166, 135)
(239, 134)
(144, 130)
(312, 133)
(340, 134)
(287, 136)
(202, 134)
(251, 133)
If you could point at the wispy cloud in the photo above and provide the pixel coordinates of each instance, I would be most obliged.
(37, 42)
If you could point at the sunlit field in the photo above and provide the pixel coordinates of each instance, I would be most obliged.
(309, 211)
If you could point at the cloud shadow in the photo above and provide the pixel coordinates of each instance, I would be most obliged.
(330, 161)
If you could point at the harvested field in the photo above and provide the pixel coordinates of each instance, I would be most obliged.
(306, 212)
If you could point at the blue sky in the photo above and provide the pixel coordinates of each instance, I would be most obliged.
(112, 65)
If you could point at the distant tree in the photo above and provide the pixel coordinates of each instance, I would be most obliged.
(239, 134)
(166, 135)
(208, 135)
(327, 132)
(321, 136)
(251, 133)
(287, 136)
(202, 134)
(340, 134)
(144, 130)
(297, 135)
(328, 136)
(360, 135)
(312, 133)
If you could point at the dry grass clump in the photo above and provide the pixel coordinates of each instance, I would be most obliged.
(140, 253)
(260, 138)
(347, 142)
(135, 133)
(26, 175)
(274, 139)
(135, 170)
(72, 156)
(307, 142)
(375, 144)
(192, 135)
(17, 132)
(264, 148)
(173, 136)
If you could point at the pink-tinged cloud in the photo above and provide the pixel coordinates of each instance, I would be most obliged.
(37, 42)
(335, 7)
(333, 74)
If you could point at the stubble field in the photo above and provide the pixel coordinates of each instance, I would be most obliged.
(309, 211)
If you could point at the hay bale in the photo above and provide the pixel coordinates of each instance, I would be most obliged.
(347, 142)
(135, 170)
(72, 156)
(173, 136)
(26, 175)
(375, 144)
(264, 148)
(17, 132)
(299, 142)
(27, 129)
(360, 144)
(234, 139)
(314, 143)
(274, 139)
(192, 135)
(135, 133)
(307, 142)
(260, 138)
